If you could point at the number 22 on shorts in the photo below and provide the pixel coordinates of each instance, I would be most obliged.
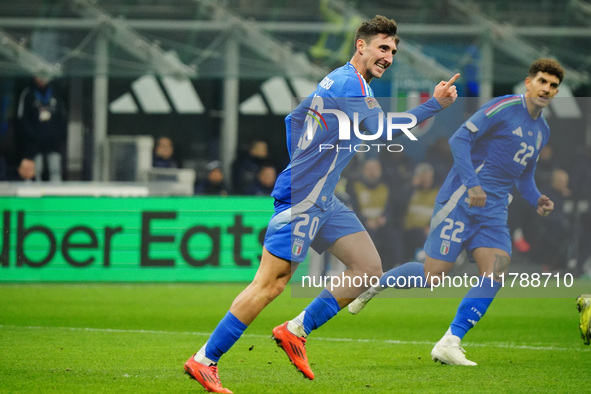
(451, 230)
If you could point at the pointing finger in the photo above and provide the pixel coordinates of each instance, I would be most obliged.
(453, 79)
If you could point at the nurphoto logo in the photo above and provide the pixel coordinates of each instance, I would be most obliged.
(392, 122)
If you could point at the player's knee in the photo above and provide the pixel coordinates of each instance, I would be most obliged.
(274, 291)
(271, 291)
(372, 270)
(278, 285)
(436, 270)
(434, 277)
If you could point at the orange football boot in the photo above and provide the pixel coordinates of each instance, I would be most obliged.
(294, 347)
(207, 376)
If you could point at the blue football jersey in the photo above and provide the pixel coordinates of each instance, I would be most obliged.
(317, 154)
(503, 142)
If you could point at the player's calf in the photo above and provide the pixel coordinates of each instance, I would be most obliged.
(405, 276)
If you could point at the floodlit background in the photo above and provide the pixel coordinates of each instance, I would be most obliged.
(215, 77)
(142, 235)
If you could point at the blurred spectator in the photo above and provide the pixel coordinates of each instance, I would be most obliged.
(163, 154)
(3, 169)
(581, 174)
(439, 156)
(419, 209)
(581, 185)
(341, 192)
(583, 244)
(550, 240)
(397, 173)
(397, 169)
(42, 128)
(545, 167)
(370, 194)
(246, 167)
(6, 144)
(24, 172)
(522, 219)
(264, 182)
(370, 199)
(214, 184)
(5, 148)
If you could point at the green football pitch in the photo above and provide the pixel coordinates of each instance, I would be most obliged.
(135, 338)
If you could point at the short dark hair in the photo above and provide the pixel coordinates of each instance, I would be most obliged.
(546, 65)
(378, 25)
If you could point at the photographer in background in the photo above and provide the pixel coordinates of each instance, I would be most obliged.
(42, 128)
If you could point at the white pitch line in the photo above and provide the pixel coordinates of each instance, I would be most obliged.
(503, 345)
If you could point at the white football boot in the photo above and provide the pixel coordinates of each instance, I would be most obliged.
(362, 299)
(449, 351)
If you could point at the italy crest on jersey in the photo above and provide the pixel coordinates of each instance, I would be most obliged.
(539, 140)
(298, 245)
(444, 247)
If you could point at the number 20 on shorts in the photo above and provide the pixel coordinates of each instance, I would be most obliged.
(302, 226)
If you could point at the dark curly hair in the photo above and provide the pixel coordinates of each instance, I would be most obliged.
(546, 65)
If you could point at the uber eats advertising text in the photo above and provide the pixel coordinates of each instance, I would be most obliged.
(216, 237)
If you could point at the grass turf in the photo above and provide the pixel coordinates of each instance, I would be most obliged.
(136, 338)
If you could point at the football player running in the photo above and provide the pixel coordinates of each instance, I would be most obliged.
(496, 148)
(307, 213)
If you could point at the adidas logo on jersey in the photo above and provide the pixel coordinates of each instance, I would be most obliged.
(518, 131)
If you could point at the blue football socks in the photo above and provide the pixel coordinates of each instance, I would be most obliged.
(474, 306)
(404, 276)
(227, 332)
(322, 309)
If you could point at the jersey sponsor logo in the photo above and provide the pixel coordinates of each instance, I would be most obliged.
(298, 246)
(444, 247)
(372, 102)
(518, 132)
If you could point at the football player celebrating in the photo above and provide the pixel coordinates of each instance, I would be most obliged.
(496, 148)
(307, 213)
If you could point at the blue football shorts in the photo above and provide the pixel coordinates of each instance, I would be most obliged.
(293, 229)
(451, 232)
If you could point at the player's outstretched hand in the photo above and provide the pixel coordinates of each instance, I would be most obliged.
(476, 197)
(545, 206)
(445, 92)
